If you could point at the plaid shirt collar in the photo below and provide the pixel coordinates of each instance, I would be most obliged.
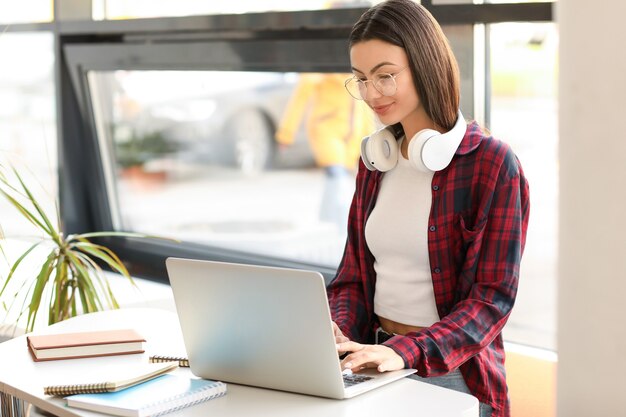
(473, 137)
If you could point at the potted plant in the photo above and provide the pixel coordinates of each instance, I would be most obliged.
(134, 152)
(70, 275)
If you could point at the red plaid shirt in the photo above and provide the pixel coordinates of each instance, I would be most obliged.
(476, 236)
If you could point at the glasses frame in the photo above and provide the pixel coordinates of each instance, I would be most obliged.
(374, 83)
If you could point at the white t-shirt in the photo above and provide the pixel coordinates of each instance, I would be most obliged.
(397, 235)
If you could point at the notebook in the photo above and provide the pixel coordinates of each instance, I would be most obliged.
(262, 326)
(84, 344)
(161, 395)
(111, 378)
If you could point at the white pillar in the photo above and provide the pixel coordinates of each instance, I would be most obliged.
(592, 235)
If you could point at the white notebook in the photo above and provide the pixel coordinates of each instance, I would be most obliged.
(159, 396)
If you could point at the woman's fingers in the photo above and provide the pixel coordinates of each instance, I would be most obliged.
(370, 356)
(391, 364)
(349, 346)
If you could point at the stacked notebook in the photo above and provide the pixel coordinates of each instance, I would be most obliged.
(122, 389)
(164, 394)
(110, 379)
(84, 344)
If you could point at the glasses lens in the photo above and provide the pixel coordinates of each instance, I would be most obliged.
(386, 85)
(356, 88)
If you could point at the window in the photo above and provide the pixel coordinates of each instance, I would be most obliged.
(523, 102)
(28, 121)
(194, 156)
(26, 11)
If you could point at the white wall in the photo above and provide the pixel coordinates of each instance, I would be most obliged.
(592, 254)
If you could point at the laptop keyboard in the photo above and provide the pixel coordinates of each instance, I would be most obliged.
(353, 379)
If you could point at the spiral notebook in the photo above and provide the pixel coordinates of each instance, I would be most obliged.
(162, 395)
(110, 379)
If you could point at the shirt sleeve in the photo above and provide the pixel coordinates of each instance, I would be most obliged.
(351, 287)
(491, 267)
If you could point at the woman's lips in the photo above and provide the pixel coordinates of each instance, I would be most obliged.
(381, 110)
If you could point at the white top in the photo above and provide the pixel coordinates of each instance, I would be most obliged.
(397, 235)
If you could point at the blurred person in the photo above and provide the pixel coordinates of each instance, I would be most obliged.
(335, 126)
(438, 221)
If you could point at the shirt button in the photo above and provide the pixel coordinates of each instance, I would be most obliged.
(435, 187)
(437, 270)
(432, 228)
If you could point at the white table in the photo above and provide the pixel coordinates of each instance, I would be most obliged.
(22, 379)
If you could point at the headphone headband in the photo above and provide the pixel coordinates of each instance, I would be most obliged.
(428, 150)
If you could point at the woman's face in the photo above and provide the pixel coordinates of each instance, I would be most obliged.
(372, 57)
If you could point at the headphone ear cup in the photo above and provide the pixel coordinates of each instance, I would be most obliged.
(364, 153)
(431, 151)
(416, 148)
(437, 154)
(379, 151)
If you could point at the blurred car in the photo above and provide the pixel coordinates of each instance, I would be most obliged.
(222, 118)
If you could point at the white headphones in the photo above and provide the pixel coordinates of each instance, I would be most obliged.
(428, 151)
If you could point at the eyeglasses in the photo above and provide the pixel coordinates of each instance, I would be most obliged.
(384, 83)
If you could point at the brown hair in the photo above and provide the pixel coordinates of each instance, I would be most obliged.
(435, 71)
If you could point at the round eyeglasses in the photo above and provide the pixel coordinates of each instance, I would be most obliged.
(384, 83)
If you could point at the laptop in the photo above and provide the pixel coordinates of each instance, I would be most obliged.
(264, 327)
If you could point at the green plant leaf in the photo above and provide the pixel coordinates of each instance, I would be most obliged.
(62, 301)
(52, 231)
(106, 255)
(57, 210)
(40, 284)
(17, 264)
(58, 298)
(27, 214)
(5, 183)
(3, 237)
(83, 296)
(89, 295)
(101, 279)
(119, 234)
(73, 309)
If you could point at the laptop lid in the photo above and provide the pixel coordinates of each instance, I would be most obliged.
(260, 326)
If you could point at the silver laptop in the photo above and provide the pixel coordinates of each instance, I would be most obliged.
(262, 326)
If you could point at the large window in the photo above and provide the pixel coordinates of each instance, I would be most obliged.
(261, 162)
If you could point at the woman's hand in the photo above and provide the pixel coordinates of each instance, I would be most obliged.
(369, 356)
(339, 337)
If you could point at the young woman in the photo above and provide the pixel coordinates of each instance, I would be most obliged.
(438, 222)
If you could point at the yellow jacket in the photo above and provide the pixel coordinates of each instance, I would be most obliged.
(335, 122)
